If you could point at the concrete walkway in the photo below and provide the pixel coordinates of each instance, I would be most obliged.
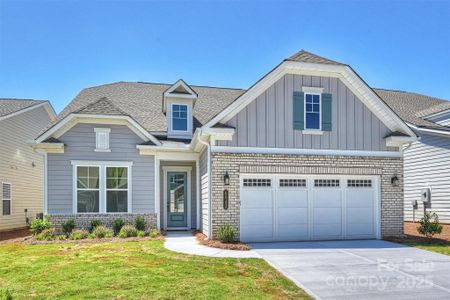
(185, 242)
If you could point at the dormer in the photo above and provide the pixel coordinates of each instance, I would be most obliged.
(178, 104)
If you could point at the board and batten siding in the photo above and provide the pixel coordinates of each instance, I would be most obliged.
(79, 145)
(16, 159)
(427, 164)
(204, 194)
(268, 120)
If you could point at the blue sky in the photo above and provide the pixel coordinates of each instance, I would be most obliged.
(53, 49)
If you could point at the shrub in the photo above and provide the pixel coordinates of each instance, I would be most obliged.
(226, 233)
(154, 233)
(79, 234)
(5, 294)
(140, 223)
(39, 225)
(429, 225)
(68, 226)
(128, 231)
(141, 233)
(95, 223)
(117, 224)
(61, 237)
(46, 234)
(102, 232)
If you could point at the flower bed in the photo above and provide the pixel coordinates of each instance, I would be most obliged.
(218, 244)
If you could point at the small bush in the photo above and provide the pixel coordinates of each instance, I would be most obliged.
(39, 225)
(61, 237)
(46, 234)
(102, 232)
(117, 224)
(140, 223)
(95, 223)
(128, 231)
(68, 226)
(141, 233)
(429, 225)
(79, 234)
(226, 233)
(5, 294)
(154, 233)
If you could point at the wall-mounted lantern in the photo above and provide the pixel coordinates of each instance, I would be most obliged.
(395, 181)
(225, 199)
(226, 179)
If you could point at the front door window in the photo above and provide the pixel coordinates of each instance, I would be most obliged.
(176, 199)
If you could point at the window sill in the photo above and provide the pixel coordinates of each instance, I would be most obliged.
(312, 131)
(102, 150)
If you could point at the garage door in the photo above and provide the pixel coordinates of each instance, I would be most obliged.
(308, 207)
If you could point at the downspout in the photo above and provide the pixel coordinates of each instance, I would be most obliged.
(208, 146)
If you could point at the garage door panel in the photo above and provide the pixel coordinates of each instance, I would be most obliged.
(327, 198)
(292, 198)
(293, 232)
(256, 199)
(355, 230)
(292, 215)
(359, 215)
(327, 215)
(255, 216)
(327, 230)
(257, 233)
(360, 198)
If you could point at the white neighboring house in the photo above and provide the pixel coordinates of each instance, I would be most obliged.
(427, 160)
(21, 168)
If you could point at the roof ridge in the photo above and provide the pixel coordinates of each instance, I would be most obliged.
(23, 99)
(96, 102)
(161, 83)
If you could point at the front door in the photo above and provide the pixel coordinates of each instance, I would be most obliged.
(177, 197)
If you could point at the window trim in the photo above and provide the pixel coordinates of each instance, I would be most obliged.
(116, 189)
(98, 132)
(98, 189)
(312, 130)
(102, 184)
(10, 199)
(188, 117)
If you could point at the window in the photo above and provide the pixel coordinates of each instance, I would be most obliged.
(312, 111)
(292, 182)
(179, 117)
(326, 182)
(359, 183)
(88, 189)
(255, 182)
(102, 139)
(6, 196)
(116, 189)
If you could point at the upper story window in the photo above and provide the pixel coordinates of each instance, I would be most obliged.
(179, 117)
(312, 111)
(102, 139)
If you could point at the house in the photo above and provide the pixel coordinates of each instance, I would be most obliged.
(427, 160)
(309, 152)
(21, 169)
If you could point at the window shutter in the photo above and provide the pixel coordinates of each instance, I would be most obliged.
(299, 110)
(326, 112)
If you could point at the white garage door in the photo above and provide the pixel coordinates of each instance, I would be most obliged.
(308, 207)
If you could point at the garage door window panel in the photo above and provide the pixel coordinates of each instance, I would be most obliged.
(257, 182)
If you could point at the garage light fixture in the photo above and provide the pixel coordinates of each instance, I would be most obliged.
(394, 180)
(226, 179)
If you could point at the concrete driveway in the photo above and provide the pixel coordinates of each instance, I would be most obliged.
(371, 269)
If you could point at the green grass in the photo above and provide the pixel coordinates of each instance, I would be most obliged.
(134, 270)
(435, 246)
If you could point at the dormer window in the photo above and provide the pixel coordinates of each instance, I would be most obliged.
(179, 117)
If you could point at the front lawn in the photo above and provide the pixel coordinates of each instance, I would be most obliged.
(436, 246)
(134, 270)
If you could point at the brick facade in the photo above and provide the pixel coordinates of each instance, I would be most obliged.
(235, 164)
(83, 221)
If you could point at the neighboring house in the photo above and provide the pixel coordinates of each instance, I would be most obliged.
(21, 169)
(426, 161)
(308, 152)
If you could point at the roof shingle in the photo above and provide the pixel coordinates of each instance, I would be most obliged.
(12, 105)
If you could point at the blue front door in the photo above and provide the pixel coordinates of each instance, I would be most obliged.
(177, 198)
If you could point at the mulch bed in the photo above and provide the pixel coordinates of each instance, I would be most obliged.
(410, 229)
(33, 241)
(417, 240)
(14, 235)
(218, 244)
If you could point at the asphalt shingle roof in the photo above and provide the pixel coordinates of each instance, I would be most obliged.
(12, 105)
(308, 57)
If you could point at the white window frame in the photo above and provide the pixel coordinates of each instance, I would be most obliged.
(117, 189)
(98, 133)
(83, 189)
(320, 112)
(102, 183)
(188, 117)
(10, 199)
(312, 91)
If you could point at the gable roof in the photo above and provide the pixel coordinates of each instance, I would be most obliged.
(412, 107)
(308, 57)
(12, 105)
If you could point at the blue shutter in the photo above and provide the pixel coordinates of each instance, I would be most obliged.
(298, 110)
(326, 112)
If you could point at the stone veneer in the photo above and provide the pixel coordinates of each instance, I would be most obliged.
(84, 220)
(235, 164)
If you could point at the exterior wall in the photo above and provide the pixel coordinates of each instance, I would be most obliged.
(193, 196)
(427, 164)
(204, 187)
(268, 120)
(80, 145)
(234, 164)
(16, 159)
(84, 220)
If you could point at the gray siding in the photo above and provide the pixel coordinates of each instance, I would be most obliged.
(443, 120)
(16, 159)
(193, 199)
(267, 121)
(80, 145)
(427, 164)
(204, 184)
